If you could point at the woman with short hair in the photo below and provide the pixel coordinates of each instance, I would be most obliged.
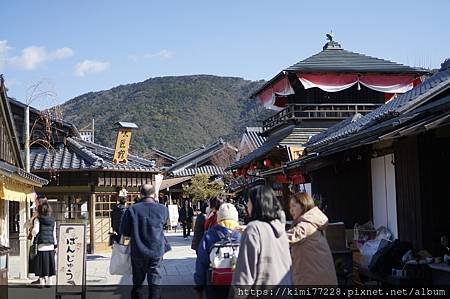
(44, 233)
(311, 255)
(264, 257)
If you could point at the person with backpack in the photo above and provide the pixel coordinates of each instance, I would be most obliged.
(219, 242)
(116, 218)
(311, 255)
(264, 258)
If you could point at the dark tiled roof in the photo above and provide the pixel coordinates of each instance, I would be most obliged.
(6, 168)
(252, 135)
(340, 60)
(164, 155)
(198, 156)
(79, 154)
(66, 126)
(5, 113)
(334, 128)
(10, 169)
(401, 104)
(289, 136)
(208, 169)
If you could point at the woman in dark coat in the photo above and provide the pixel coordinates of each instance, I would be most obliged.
(44, 232)
(199, 228)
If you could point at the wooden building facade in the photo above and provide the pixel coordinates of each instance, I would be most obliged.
(389, 166)
(312, 96)
(84, 184)
(16, 191)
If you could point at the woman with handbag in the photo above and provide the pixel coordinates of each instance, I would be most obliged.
(33, 247)
(44, 233)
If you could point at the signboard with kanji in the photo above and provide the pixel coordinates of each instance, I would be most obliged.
(122, 144)
(71, 268)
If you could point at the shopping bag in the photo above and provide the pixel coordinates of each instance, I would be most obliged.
(120, 260)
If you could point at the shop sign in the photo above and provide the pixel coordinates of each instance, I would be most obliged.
(71, 266)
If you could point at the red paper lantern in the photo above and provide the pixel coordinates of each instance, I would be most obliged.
(298, 179)
(281, 179)
(267, 163)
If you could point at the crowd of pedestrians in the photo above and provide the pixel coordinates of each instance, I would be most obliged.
(268, 255)
(237, 245)
(242, 245)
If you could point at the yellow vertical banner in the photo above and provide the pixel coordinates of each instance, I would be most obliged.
(122, 145)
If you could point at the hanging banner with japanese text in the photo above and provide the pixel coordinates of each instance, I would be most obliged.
(122, 145)
(71, 269)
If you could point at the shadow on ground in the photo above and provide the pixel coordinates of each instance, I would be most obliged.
(98, 292)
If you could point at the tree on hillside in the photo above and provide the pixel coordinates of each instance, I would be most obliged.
(201, 188)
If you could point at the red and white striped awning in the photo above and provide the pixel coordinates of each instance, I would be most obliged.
(279, 89)
(274, 95)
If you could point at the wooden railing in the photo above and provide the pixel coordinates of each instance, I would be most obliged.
(317, 112)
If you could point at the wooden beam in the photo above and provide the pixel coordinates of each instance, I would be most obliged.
(65, 189)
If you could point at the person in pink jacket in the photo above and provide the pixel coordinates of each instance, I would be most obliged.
(312, 262)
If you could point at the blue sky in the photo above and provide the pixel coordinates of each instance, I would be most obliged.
(75, 47)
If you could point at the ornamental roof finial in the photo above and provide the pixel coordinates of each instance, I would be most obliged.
(330, 36)
(331, 44)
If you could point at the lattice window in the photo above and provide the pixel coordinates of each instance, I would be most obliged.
(104, 204)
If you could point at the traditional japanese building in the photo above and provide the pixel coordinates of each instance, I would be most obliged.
(16, 188)
(313, 95)
(162, 159)
(84, 183)
(210, 159)
(387, 166)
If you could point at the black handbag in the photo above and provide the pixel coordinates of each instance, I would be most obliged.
(32, 255)
(32, 258)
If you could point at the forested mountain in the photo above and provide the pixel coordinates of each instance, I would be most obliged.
(174, 114)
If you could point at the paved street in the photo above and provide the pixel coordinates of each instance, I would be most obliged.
(178, 268)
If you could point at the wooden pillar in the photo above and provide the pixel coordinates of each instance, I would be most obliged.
(408, 186)
(23, 270)
(92, 223)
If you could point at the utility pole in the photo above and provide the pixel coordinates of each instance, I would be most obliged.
(24, 206)
(93, 129)
(27, 138)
